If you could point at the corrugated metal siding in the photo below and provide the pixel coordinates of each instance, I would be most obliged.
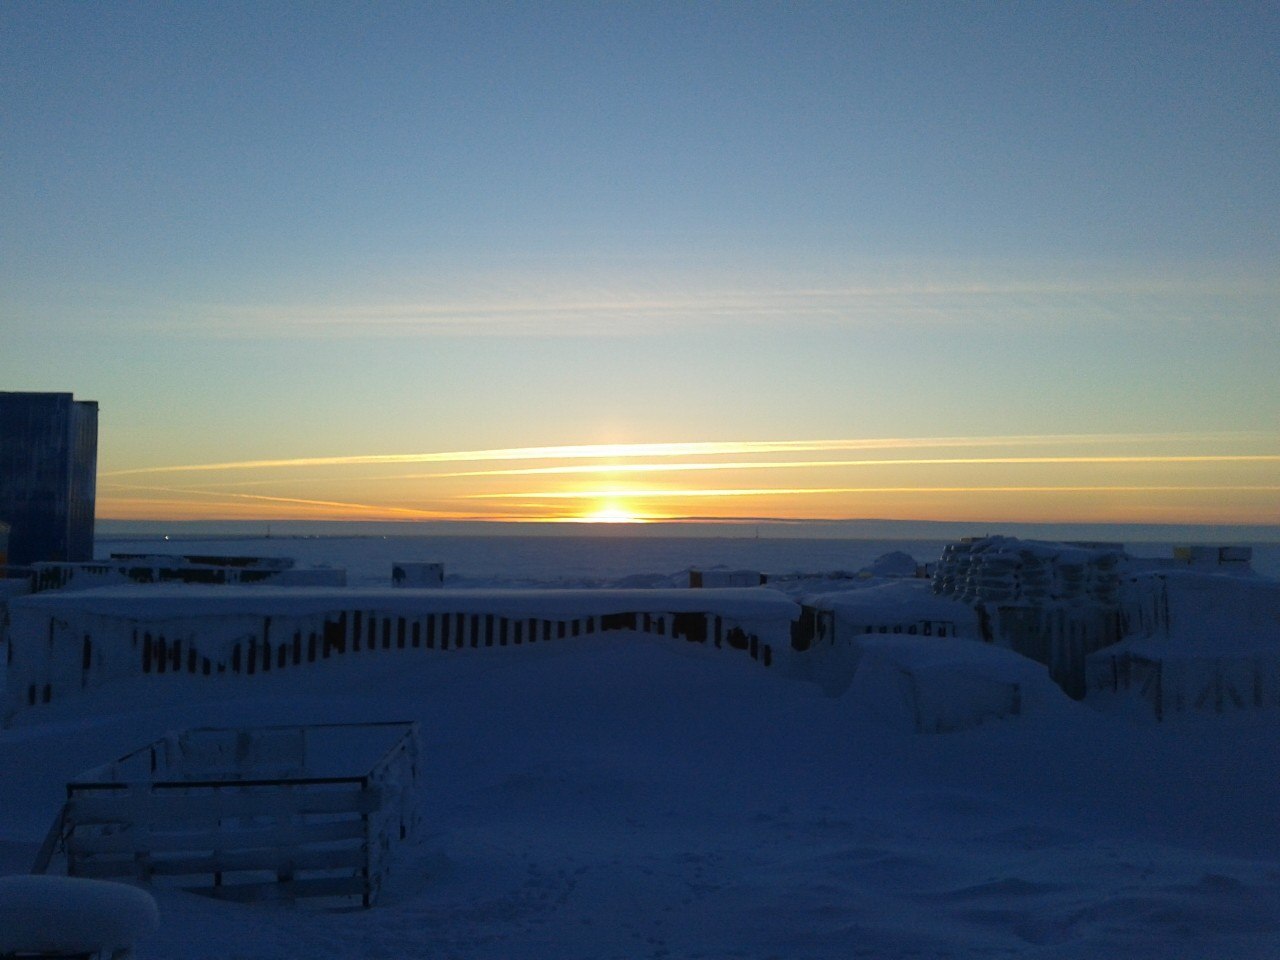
(48, 467)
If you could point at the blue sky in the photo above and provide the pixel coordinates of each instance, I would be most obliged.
(276, 231)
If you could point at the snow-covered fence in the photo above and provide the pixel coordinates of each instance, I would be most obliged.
(1172, 679)
(249, 814)
(64, 642)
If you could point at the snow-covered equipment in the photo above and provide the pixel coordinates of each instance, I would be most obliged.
(64, 917)
(417, 574)
(251, 813)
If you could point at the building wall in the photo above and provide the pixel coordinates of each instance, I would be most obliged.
(48, 468)
(82, 479)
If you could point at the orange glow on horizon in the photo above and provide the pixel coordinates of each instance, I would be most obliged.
(1203, 478)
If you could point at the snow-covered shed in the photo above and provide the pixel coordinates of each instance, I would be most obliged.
(1195, 642)
(718, 578)
(834, 627)
(899, 606)
(926, 685)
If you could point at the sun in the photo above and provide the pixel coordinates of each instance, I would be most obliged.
(611, 511)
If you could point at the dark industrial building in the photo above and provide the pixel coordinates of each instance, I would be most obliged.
(48, 473)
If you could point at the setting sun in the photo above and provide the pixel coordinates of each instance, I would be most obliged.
(611, 512)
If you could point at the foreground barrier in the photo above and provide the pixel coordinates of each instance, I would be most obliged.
(62, 643)
(250, 814)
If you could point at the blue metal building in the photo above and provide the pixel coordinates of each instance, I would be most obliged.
(48, 475)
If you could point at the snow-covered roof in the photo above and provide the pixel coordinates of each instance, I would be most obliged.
(164, 602)
(896, 600)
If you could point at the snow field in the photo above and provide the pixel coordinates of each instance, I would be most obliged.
(617, 797)
(624, 796)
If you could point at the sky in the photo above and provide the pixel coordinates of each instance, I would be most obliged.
(561, 261)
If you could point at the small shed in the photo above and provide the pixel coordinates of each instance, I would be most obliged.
(719, 579)
(417, 574)
(251, 813)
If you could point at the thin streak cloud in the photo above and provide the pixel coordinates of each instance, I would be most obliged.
(679, 449)
(264, 498)
(567, 312)
(806, 464)
(802, 491)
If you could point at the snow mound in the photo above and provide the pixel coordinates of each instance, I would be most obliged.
(70, 915)
(928, 685)
(892, 564)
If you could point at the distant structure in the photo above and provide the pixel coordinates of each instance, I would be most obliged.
(48, 474)
(1053, 602)
(417, 574)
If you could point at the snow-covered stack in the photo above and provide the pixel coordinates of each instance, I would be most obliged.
(995, 570)
(1053, 602)
(1195, 642)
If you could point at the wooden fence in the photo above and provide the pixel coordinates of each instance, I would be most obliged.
(239, 813)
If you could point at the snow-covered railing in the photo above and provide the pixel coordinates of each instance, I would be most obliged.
(251, 813)
(64, 642)
(124, 569)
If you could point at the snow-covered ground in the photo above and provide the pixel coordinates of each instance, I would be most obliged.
(620, 796)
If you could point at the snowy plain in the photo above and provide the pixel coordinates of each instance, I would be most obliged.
(626, 796)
